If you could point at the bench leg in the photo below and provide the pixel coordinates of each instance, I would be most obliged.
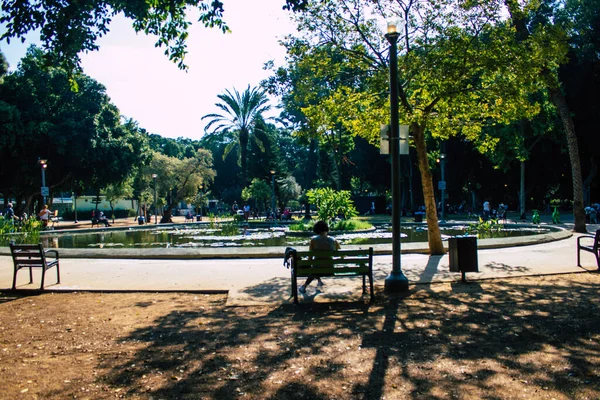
(57, 273)
(294, 287)
(578, 258)
(14, 286)
(30, 275)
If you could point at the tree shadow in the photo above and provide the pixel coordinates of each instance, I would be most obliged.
(283, 352)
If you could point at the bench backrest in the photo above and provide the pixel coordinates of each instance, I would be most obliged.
(597, 241)
(338, 262)
(28, 254)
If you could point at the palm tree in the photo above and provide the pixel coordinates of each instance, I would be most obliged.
(239, 113)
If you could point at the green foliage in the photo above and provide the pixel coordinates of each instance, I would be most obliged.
(484, 229)
(350, 225)
(25, 232)
(332, 204)
(301, 226)
(258, 190)
(70, 28)
(240, 110)
(80, 134)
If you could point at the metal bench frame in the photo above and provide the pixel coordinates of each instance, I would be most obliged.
(594, 248)
(33, 256)
(340, 263)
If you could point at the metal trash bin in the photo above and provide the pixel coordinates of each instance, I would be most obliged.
(463, 254)
(141, 220)
(418, 217)
(198, 218)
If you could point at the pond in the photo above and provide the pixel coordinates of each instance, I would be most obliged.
(197, 237)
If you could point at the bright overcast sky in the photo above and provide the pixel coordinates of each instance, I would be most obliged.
(147, 87)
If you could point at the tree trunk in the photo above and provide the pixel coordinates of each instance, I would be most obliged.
(436, 247)
(244, 136)
(518, 18)
(559, 101)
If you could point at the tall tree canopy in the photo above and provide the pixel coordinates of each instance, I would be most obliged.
(240, 111)
(460, 70)
(69, 27)
(80, 133)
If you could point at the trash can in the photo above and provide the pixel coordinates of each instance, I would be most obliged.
(141, 220)
(463, 254)
(419, 217)
(198, 218)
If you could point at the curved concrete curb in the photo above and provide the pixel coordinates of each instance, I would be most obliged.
(277, 252)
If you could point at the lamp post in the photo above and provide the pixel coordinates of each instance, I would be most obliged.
(442, 183)
(273, 193)
(396, 281)
(43, 165)
(154, 176)
(201, 199)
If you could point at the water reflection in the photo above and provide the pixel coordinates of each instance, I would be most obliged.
(205, 237)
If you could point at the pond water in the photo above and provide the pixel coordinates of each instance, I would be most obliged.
(194, 237)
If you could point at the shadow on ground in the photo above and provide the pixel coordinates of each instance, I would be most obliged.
(529, 337)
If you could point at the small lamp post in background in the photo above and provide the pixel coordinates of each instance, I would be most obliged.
(396, 282)
(154, 176)
(44, 191)
(200, 188)
(273, 193)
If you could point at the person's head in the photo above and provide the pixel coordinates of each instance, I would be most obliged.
(321, 227)
(45, 206)
(9, 205)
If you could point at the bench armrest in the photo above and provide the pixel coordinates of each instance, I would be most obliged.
(582, 237)
(55, 252)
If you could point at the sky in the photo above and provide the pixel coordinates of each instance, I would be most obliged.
(147, 87)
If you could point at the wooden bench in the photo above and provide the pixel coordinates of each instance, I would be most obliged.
(341, 263)
(591, 247)
(33, 256)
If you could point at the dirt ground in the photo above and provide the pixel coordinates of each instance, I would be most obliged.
(529, 338)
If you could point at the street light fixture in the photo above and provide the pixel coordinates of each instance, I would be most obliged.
(154, 176)
(44, 165)
(273, 193)
(396, 282)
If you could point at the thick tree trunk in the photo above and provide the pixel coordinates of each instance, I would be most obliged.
(436, 247)
(559, 101)
(244, 136)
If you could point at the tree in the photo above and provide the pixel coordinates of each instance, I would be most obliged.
(460, 70)
(534, 33)
(80, 134)
(68, 28)
(179, 179)
(239, 113)
(288, 190)
(116, 191)
(258, 190)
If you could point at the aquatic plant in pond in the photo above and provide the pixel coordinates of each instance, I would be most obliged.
(26, 231)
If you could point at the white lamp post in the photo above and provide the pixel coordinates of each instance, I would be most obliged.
(154, 176)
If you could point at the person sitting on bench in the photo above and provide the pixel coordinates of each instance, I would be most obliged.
(320, 242)
(102, 219)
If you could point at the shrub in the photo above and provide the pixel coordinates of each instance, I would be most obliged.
(332, 204)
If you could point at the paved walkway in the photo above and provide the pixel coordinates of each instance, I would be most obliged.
(267, 281)
(257, 276)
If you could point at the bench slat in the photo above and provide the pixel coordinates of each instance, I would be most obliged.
(337, 253)
(317, 262)
(335, 271)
